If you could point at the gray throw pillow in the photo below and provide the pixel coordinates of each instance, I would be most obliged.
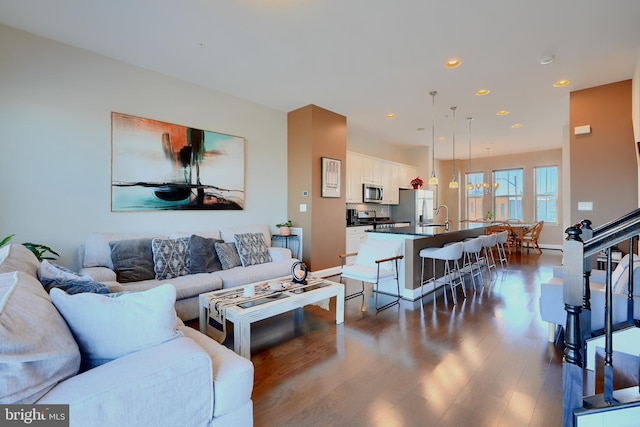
(252, 249)
(228, 255)
(73, 286)
(132, 260)
(170, 257)
(203, 257)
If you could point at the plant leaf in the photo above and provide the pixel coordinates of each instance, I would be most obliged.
(6, 240)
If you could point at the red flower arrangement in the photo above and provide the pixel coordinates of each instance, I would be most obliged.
(417, 182)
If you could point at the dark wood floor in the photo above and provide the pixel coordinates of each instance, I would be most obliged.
(483, 362)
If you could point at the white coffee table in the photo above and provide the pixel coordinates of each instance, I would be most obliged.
(243, 317)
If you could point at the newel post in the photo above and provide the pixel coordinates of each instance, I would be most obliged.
(572, 289)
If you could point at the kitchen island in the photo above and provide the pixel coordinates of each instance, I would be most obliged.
(415, 239)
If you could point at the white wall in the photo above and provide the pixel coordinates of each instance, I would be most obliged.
(55, 144)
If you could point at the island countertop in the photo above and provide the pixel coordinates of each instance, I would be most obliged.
(429, 231)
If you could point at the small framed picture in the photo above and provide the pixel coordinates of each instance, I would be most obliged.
(331, 177)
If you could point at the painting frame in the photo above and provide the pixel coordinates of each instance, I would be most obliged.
(331, 177)
(160, 166)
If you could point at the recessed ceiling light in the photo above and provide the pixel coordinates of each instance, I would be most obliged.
(561, 83)
(516, 125)
(391, 116)
(442, 138)
(502, 113)
(482, 92)
(453, 63)
(546, 60)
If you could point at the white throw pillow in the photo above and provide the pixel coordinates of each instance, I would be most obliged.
(229, 234)
(51, 272)
(107, 327)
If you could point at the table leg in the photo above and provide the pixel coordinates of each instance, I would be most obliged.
(203, 318)
(340, 307)
(242, 339)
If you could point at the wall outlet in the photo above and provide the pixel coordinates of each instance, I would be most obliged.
(585, 206)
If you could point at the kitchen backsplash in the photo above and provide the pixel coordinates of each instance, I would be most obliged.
(380, 210)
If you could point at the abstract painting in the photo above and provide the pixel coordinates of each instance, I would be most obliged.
(162, 166)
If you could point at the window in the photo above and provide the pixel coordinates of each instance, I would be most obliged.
(507, 197)
(474, 196)
(546, 179)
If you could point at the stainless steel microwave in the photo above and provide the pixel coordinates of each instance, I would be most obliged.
(372, 193)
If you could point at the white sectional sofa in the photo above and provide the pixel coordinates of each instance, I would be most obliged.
(95, 259)
(113, 362)
(552, 303)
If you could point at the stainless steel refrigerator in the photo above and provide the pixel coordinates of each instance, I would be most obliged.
(415, 206)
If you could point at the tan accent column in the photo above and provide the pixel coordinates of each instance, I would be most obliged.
(313, 133)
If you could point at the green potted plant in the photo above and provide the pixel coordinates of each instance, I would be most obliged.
(39, 250)
(284, 228)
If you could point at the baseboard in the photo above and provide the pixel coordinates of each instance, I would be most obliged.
(332, 271)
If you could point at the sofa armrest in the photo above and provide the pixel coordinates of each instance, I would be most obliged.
(551, 302)
(279, 254)
(99, 274)
(160, 386)
(598, 276)
(232, 373)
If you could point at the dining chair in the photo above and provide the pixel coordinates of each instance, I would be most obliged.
(376, 261)
(530, 238)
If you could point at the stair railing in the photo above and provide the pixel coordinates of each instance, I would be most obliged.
(576, 271)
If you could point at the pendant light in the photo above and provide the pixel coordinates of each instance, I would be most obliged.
(434, 179)
(454, 181)
(469, 184)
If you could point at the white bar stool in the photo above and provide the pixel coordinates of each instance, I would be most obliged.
(450, 254)
(488, 242)
(471, 250)
(502, 239)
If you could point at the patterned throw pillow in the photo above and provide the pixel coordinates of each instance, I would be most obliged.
(228, 255)
(170, 257)
(252, 249)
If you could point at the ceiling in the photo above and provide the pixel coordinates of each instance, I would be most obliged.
(367, 58)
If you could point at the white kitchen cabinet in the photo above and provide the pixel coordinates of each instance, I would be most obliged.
(365, 169)
(355, 237)
(354, 178)
(371, 170)
(407, 173)
(390, 182)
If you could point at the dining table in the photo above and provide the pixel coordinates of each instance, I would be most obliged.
(517, 230)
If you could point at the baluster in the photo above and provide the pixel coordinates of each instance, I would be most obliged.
(587, 233)
(608, 332)
(630, 310)
(572, 373)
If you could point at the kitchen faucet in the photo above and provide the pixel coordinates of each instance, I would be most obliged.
(446, 210)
